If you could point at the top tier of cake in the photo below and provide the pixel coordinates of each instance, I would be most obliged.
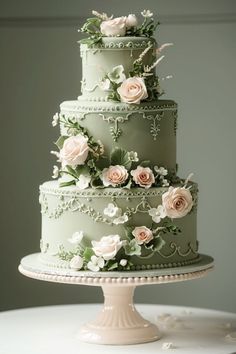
(100, 59)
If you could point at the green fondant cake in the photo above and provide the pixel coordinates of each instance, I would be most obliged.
(116, 203)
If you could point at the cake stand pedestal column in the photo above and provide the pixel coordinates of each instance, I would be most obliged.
(119, 321)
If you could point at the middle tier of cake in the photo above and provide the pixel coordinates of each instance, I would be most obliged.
(149, 129)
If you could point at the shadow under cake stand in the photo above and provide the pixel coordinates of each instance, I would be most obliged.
(118, 322)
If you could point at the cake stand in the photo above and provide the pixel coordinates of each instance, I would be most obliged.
(118, 322)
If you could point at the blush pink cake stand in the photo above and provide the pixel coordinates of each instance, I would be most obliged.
(118, 322)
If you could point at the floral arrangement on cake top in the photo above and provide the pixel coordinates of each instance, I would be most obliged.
(103, 25)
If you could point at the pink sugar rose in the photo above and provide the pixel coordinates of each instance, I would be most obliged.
(142, 234)
(115, 27)
(143, 176)
(114, 176)
(74, 151)
(132, 90)
(177, 202)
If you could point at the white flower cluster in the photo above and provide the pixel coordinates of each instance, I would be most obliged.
(114, 212)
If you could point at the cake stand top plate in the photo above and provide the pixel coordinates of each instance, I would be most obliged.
(33, 268)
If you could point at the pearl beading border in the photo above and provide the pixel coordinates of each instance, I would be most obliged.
(97, 281)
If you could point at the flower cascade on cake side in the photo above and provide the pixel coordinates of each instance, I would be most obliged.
(113, 253)
(140, 83)
(79, 155)
(85, 164)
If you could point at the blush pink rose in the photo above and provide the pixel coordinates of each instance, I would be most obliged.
(143, 176)
(115, 27)
(132, 90)
(74, 151)
(177, 202)
(142, 234)
(107, 247)
(114, 175)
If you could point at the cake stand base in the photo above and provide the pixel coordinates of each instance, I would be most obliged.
(118, 322)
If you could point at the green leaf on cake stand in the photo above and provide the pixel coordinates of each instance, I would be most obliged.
(111, 265)
(132, 248)
(121, 157)
(87, 254)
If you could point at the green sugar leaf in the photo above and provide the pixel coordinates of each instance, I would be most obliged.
(88, 253)
(145, 163)
(120, 157)
(67, 184)
(60, 141)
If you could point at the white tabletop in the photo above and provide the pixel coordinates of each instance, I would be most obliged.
(53, 329)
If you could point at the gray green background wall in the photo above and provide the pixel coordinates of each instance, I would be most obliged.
(40, 67)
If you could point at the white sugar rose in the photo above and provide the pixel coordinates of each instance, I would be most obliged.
(74, 151)
(132, 90)
(114, 176)
(131, 21)
(177, 202)
(107, 247)
(114, 27)
(143, 176)
(142, 234)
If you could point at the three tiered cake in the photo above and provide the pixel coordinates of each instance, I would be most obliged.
(116, 203)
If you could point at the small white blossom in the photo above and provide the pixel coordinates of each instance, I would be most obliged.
(121, 219)
(161, 171)
(56, 153)
(146, 13)
(117, 74)
(55, 172)
(76, 238)
(123, 262)
(55, 119)
(164, 182)
(168, 345)
(105, 85)
(157, 213)
(111, 210)
(83, 181)
(96, 263)
(133, 156)
(76, 263)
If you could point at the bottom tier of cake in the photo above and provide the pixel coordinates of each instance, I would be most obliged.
(114, 229)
